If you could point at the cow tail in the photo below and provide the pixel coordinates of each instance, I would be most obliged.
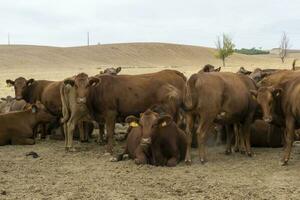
(64, 103)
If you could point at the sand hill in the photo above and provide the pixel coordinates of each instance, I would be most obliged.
(126, 55)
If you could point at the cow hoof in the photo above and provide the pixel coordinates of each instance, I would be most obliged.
(284, 163)
(113, 159)
(249, 154)
(84, 141)
(228, 152)
(188, 161)
(243, 152)
(139, 162)
(72, 149)
(203, 161)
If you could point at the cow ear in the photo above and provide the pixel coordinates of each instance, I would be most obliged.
(3, 99)
(164, 120)
(218, 69)
(94, 81)
(118, 69)
(34, 108)
(29, 82)
(132, 121)
(69, 81)
(10, 82)
(253, 93)
(277, 92)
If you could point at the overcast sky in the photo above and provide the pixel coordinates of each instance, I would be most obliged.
(251, 23)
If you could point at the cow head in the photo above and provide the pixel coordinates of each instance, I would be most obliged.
(242, 70)
(20, 86)
(209, 68)
(40, 112)
(266, 97)
(150, 122)
(82, 83)
(111, 71)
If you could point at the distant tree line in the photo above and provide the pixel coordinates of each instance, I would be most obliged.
(252, 51)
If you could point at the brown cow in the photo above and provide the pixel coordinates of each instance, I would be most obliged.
(17, 127)
(209, 94)
(110, 97)
(282, 101)
(278, 77)
(266, 135)
(209, 68)
(155, 139)
(76, 113)
(111, 71)
(10, 104)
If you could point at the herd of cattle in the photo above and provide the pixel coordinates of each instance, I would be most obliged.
(166, 112)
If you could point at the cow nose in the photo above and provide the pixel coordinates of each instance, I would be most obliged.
(81, 100)
(145, 141)
(268, 119)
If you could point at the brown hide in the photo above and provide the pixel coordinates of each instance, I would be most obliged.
(208, 94)
(17, 127)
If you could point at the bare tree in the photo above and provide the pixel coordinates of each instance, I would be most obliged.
(284, 45)
(225, 47)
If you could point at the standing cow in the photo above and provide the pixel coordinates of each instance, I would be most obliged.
(110, 97)
(280, 103)
(208, 95)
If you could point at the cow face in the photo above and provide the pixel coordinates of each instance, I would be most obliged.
(242, 70)
(82, 84)
(20, 86)
(111, 71)
(266, 97)
(150, 122)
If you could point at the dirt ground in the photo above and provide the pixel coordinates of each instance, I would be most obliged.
(88, 174)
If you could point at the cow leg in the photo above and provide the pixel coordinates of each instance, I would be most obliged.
(290, 129)
(65, 127)
(82, 132)
(202, 131)
(229, 137)
(100, 139)
(175, 155)
(236, 137)
(189, 128)
(247, 133)
(140, 157)
(71, 128)
(110, 121)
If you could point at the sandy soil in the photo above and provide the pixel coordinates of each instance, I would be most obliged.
(88, 174)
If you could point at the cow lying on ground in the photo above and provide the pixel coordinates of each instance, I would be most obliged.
(208, 95)
(282, 101)
(112, 97)
(17, 127)
(155, 139)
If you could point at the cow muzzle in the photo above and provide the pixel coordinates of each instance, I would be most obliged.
(81, 100)
(145, 142)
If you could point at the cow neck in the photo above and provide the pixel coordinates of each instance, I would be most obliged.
(32, 93)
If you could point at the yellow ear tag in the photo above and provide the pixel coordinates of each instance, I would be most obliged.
(164, 124)
(133, 124)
